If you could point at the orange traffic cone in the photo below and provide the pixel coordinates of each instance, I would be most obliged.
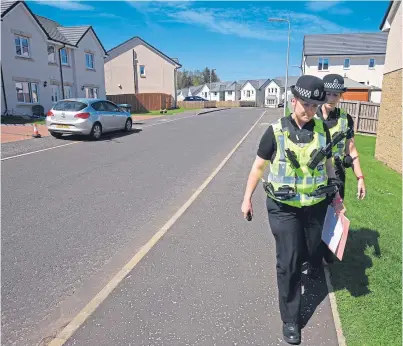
(36, 133)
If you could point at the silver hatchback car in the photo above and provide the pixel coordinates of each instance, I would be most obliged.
(90, 117)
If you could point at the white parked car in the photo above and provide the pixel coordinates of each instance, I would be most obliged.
(90, 117)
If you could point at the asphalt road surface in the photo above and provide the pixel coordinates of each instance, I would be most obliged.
(73, 216)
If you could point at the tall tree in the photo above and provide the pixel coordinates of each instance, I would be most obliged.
(188, 78)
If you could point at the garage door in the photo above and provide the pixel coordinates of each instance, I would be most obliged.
(356, 95)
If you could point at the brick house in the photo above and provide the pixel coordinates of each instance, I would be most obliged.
(389, 132)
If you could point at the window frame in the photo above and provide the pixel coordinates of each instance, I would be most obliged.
(20, 37)
(70, 88)
(369, 64)
(67, 57)
(91, 55)
(144, 70)
(30, 92)
(87, 92)
(54, 54)
(321, 63)
(344, 64)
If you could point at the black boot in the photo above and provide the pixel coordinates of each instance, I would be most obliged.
(291, 333)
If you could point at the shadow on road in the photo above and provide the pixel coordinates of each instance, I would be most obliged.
(110, 136)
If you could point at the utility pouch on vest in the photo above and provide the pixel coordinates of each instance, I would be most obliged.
(324, 190)
(293, 158)
(339, 163)
(283, 193)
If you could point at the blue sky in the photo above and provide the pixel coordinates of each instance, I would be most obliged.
(232, 36)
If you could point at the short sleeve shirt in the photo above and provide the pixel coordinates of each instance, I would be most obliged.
(268, 146)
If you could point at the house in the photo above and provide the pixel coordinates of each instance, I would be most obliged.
(135, 66)
(233, 91)
(389, 131)
(218, 91)
(250, 90)
(273, 91)
(43, 61)
(200, 90)
(358, 56)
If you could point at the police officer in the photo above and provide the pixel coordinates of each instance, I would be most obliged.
(345, 153)
(301, 175)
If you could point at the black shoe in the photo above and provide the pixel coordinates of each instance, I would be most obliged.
(291, 333)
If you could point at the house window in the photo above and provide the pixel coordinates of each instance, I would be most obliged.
(27, 92)
(68, 92)
(275, 90)
(142, 71)
(215, 94)
(229, 93)
(51, 54)
(323, 64)
(371, 63)
(64, 56)
(346, 63)
(89, 61)
(248, 93)
(55, 93)
(91, 93)
(22, 46)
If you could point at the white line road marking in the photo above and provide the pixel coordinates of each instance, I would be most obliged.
(66, 333)
(39, 151)
(64, 145)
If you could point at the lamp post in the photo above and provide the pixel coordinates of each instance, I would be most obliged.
(210, 81)
(288, 58)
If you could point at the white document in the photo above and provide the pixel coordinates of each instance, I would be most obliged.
(332, 229)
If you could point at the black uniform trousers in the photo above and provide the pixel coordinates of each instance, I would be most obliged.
(294, 230)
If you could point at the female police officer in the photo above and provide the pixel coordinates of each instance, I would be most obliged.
(300, 173)
(345, 152)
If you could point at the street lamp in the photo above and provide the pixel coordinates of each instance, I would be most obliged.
(300, 67)
(288, 58)
(210, 80)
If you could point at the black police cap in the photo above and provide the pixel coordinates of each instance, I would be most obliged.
(309, 89)
(334, 82)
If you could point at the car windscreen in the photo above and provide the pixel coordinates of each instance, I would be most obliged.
(69, 106)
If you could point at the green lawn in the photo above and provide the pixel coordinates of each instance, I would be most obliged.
(169, 112)
(367, 282)
(20, 120)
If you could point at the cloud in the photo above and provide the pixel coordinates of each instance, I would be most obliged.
(331, 7)
(67, 5)
(110, 15)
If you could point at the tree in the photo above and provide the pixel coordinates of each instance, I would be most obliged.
(186, 78)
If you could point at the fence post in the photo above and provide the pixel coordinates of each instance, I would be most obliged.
(357, 112)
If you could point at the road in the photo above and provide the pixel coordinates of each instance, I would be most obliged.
(73, 216)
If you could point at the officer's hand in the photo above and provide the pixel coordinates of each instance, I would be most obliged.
(246, 207)
(361, 189)
(339, 208)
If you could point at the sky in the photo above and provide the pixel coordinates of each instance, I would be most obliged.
(234, 37)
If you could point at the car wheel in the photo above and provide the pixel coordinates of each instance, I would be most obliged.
(128, 125)
(56, 134)
(96, 131)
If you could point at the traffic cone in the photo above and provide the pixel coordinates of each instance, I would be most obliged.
(36, 133)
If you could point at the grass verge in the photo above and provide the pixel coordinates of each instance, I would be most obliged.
(20, 120)
(367, 283)
(169, 112)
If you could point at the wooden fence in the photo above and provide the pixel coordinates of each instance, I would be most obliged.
(214, 104)
(364, 114)
(143, 102)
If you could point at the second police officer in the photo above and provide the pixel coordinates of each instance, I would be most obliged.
(300, 185)
(345, 153)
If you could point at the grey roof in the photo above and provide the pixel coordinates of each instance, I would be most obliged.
(53, 30)
(281, 81)
(343, 44)
(196, 89)
(352, 84)
(256, 83)
(6, 5)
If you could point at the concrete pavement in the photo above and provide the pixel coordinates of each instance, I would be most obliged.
(73, 216)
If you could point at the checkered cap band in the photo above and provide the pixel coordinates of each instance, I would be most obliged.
(303, 92)
(335, 86)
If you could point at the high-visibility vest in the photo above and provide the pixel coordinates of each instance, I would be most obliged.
(303, 180)
(338, 150)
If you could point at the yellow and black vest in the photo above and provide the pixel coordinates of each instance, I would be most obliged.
(341, 126)
(303, 180)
